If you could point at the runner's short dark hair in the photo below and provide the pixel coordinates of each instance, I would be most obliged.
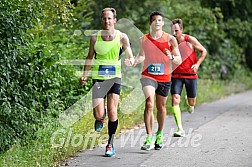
(156, 13)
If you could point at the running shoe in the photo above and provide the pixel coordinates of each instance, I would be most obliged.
(110, 151)
(147, 144)
(179, 133)
(190, 109)
(159, 141)
(99, 124)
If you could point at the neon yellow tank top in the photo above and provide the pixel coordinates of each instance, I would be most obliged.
(106, 63)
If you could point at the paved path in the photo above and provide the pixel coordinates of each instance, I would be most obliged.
(218, 134)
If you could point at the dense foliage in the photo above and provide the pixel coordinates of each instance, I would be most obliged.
(16, 116)
(34, 86)
(36, 35)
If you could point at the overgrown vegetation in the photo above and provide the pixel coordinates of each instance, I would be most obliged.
(36, 87)
(33, 85)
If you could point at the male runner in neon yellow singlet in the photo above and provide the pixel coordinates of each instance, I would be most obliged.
(104, 51)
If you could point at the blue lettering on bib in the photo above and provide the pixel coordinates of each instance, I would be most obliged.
(107, 70)
(156, 69)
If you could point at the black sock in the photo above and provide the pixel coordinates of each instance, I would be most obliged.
(112, 126)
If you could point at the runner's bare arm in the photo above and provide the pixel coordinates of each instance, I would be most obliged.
(129, 61)
(141, 55)
(88, 61)
(197, 47)
(175, 50)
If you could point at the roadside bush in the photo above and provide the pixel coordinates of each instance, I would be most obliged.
(34, 85)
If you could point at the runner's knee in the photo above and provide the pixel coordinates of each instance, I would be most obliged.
(175, 99)
(112, 115)
(149, 105)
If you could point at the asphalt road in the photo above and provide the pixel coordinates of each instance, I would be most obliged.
(218, 134)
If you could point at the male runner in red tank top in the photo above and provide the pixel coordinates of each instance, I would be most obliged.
(157, 49)
(185, 73)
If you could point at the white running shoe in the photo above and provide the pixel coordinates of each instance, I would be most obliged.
(179, 133)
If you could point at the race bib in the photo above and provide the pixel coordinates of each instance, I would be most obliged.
(107, 70)
(156, 69)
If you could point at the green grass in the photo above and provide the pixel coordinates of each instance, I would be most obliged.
(67, 142)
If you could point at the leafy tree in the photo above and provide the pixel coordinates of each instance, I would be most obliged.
(237, 23)
(34, 85)
(16, 18)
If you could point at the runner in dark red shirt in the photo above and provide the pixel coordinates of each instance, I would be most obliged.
(185, 73)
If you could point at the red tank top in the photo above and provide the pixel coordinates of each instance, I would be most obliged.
(156, 64)
(189, 58)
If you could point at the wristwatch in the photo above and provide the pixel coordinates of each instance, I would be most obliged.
(172, 58)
